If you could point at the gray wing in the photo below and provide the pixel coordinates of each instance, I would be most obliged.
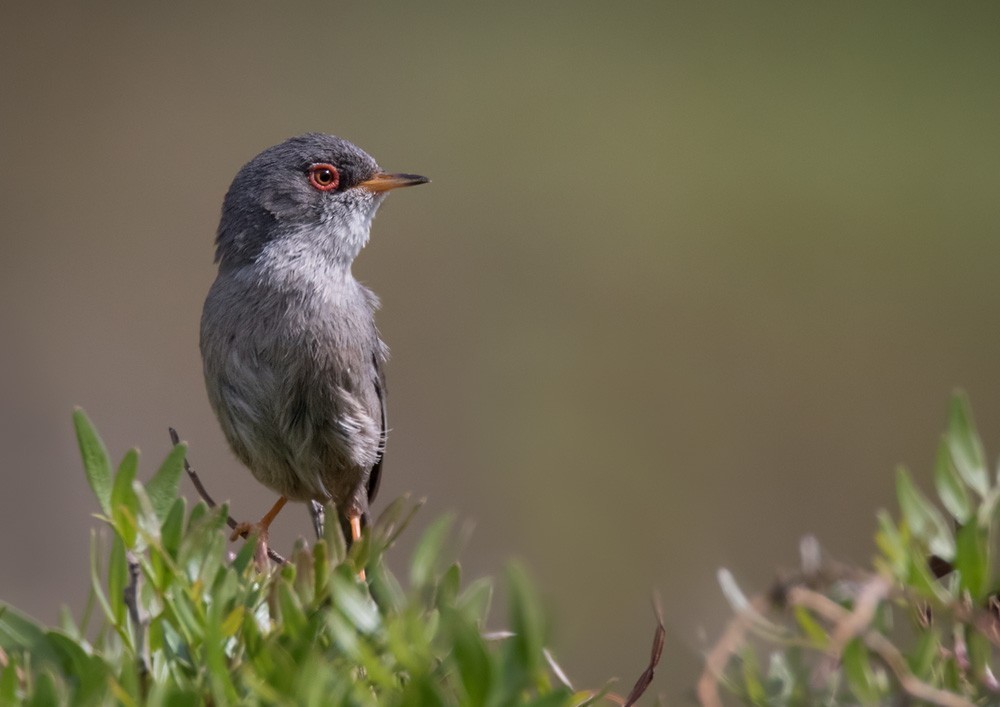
(375, 478)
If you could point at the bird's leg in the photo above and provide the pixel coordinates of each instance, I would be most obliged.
(355, 521)
(261, 528)
(318, 517)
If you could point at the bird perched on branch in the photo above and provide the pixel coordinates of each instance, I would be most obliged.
(292, 358)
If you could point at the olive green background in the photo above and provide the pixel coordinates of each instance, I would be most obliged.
(690, 279)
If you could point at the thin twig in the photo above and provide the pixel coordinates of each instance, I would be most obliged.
(131, 598)
(865, 605)
(203, 492)
(728, 645)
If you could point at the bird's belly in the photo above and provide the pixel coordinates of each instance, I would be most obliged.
(305, 437)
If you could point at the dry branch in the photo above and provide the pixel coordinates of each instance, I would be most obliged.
(203, 492)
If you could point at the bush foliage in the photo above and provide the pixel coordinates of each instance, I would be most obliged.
(919, 627)
(177, 619)
(180, 620)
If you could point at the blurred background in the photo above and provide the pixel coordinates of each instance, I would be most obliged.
(690, 280)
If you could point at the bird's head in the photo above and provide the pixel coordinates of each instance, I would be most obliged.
(312, 196)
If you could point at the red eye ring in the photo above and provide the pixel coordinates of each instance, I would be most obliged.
(324, 176)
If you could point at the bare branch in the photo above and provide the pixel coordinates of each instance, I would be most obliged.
(210, 502)
(728, 645)
(131, 599)
(882, 646)
(871, 595)
(799, 589)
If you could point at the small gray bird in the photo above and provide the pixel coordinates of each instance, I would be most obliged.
(292, 358)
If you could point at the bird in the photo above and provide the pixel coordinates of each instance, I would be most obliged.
(293, 361)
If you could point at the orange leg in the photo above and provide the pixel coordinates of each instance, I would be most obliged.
(243, 529)
(269, 517)
(355, 522)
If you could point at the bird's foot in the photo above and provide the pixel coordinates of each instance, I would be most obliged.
(242, 530)
(260, 530)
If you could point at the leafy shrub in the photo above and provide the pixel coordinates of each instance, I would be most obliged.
(182, 621)
(922, 626)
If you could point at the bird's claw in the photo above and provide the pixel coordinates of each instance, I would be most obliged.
(242, 530)
(259, 531)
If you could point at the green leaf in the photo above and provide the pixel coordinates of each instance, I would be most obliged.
(428, 552)
(966, 449)
(164, 553)
(921, 659)
(117, 580)
(334, 537)
(923, 519)
(67, 624)
(124, 502)
(560, 697)
(355, 604)
(919, 578)
(987, 509)
(451, 582)
(972, 560)
(162, 488)
(244, 557)
(385, 589)
(20, 633)
(750, 670)
(394, 519)
(586, 698)
(471, 657)
(96, 464)
(232, 622)
(293, 619)
(8, 684)
(527, 621)
(95, 579)
(45, 694)
(949, 485)
(953, 677)
(127, 689)
(423, 691)
(173, 528)
(979, 651)
(199, 511)
(91, 671)
(817, 636)
(890, 542)
(475, 600)
(858, 670)
(321, 569)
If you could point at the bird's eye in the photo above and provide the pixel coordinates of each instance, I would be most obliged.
(324, 177)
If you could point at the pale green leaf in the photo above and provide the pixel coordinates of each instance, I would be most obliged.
(96, 464)
(924, 520)
(964, 445)
(162, 488)
(949, 485)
